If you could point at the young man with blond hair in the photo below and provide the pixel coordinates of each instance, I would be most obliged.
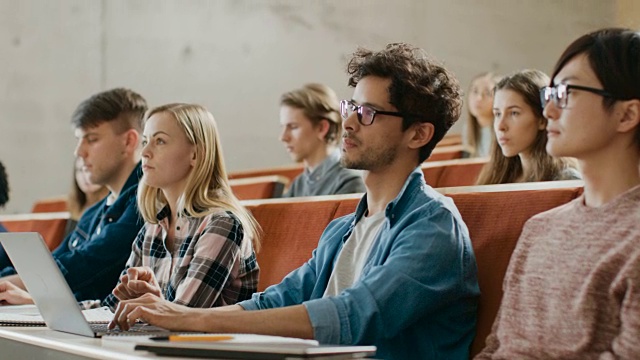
(311, 128)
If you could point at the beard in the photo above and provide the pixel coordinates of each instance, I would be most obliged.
(370, 159)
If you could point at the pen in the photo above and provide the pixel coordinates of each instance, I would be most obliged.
(193, 338)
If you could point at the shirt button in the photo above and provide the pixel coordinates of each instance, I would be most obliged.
(98, 230)
(74, 243)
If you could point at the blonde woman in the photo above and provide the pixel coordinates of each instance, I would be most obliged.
(197, 247)
(478, 127)
(518, 153)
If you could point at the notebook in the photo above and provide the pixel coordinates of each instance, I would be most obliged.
(265, 351)
(50, 291)
(28, 315)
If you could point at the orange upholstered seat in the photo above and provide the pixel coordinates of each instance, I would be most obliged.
(50, 225)
(263, 187)
(457, 172)
(290, 172)
(495, 220)
(55, 204)
(494, 214)
(447, 153)
(291, 231)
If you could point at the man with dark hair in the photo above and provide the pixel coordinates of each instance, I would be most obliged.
(108, 127)
(4, 186)
(4, 191)
(572, 289)
(311, 127)
(398, 273)
(4, 198)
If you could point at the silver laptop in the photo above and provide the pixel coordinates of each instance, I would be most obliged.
(50, 291)
(220, 350)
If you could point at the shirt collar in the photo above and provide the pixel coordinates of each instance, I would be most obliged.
(132, 180)
(414, 181)
(327, 164)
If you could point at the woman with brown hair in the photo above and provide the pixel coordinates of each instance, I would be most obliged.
(518, 152)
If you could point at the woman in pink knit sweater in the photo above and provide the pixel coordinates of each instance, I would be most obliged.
(572, 289)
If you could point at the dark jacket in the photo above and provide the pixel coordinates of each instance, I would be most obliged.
(93, 255)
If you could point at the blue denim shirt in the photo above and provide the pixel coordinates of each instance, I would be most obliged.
(93, 255)
(418, 292)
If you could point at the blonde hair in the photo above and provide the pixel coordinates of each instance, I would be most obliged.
(318, 102)
(501, 169)
(207, 188)
(472, 127)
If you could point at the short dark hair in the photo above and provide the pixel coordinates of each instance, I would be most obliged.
(121, 105)
(614, 56)
(419, 86)
(4, 186)
(318, 102)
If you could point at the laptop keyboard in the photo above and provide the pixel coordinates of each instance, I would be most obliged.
(136, 329)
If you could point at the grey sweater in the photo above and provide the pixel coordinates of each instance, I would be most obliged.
(329, 178)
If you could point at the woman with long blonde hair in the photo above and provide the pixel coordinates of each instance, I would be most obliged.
(197, 247)
(518, 152)
(477, 129)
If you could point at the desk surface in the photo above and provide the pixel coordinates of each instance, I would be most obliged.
(41, 342)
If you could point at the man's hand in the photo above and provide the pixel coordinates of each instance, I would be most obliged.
(137, 282)
(156, 311)
(11, 294)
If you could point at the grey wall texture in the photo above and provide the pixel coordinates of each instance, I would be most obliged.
(236, 57)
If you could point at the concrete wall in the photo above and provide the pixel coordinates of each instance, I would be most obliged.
(236, 57)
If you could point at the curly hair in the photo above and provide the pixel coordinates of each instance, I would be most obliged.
(419, 86)
(4, 186)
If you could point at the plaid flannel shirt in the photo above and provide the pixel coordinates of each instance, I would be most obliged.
(211, 264)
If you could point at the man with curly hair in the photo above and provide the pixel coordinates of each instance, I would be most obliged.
(400, 272)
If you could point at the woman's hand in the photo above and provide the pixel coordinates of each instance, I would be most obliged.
(137, 282)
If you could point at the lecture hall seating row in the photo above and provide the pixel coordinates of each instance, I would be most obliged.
(292, 228)
(50, 225)
(449, 148)
(441, 173)
(447, 173)
(262, 187)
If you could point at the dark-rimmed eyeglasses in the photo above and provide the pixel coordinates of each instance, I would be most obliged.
(365, 114)
(560, 94)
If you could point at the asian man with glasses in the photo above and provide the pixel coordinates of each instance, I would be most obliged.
(572, 289)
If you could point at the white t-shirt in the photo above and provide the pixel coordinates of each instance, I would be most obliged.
(355, 251)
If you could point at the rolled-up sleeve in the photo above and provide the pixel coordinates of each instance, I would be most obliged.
(426, 268)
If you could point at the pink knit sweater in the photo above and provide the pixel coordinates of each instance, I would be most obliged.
(572, 289)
